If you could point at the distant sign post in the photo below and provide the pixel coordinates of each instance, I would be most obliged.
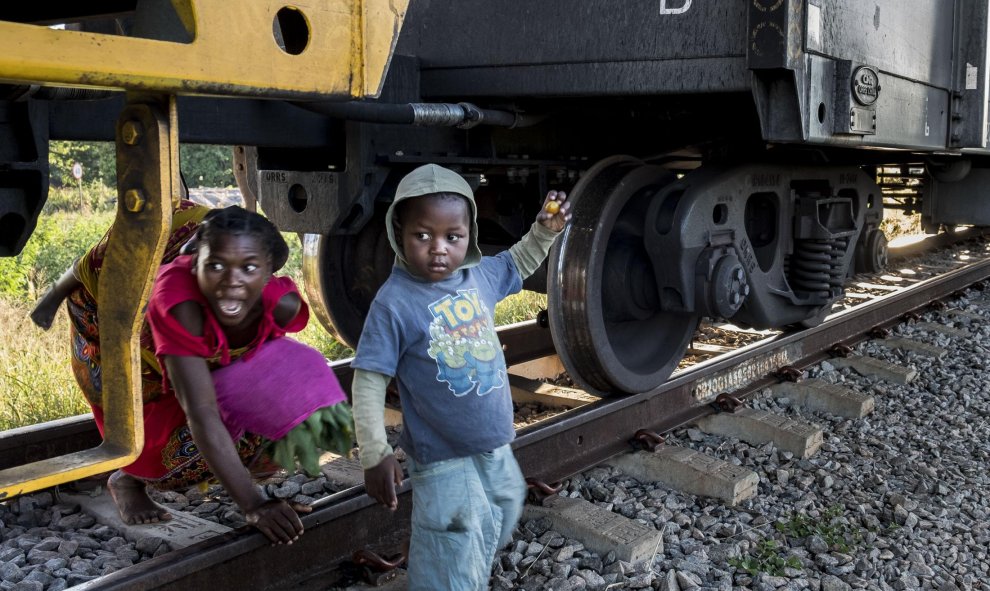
(77, 174)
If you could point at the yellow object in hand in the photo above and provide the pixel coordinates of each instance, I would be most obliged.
(552, 207)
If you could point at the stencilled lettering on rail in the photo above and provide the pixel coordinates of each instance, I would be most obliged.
(744, 373)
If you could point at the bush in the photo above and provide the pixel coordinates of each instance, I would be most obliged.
(98, 160)
(57, 241)
(93, 196)
(202, 165)
(207, 166)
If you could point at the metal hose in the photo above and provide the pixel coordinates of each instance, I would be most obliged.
(462, 115)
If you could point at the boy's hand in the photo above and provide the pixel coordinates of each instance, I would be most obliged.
(380, 482)
(556, 211)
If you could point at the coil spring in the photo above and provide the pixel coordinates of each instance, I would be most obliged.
(816, 266)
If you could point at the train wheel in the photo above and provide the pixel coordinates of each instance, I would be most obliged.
(342, 274)
(871, 256)
(604, 309)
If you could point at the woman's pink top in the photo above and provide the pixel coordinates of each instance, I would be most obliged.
(177, 284)
(267, 387)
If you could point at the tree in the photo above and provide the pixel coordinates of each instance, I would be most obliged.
(202, 165)
(207, 165)
(98, 160)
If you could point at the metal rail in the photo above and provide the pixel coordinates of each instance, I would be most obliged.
(590, 435)
(574, 441)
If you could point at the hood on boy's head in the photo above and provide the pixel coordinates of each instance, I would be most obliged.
(425, 180)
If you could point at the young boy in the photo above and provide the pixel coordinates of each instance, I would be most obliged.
(431, 327)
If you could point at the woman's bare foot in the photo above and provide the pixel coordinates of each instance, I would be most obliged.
(133, 502)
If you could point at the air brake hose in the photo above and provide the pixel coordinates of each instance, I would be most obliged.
(462, 115)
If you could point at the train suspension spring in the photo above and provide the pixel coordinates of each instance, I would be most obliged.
(816, 269)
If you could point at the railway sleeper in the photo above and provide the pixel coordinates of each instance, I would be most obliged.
(597, 528)
(184, 529)
(913, 345)
(819, 396)
(689, 471)
(869, 366)
(948, 331)
(758, 426)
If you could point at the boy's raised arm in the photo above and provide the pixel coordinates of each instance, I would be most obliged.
(531, 250)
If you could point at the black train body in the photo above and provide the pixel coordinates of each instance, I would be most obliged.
(724, 155)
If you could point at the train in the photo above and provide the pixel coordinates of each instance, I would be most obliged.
(726, 159)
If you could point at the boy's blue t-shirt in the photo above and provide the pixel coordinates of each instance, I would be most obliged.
(438, 340)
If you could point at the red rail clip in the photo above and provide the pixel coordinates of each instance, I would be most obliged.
(726, 402)
(373, 561)
(879, 332)
(647, 440)
(788, 373)
(840, 350)
(540, 490)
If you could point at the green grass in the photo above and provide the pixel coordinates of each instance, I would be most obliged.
(36, 382)
(520, 307)
(839, 533)
(771, 556)
(767, 557)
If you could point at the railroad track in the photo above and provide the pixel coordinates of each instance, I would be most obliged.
(547, 452)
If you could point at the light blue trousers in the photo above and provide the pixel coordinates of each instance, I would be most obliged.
(464, 509)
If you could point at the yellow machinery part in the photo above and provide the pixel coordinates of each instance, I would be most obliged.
(339, 49)
(147, 162)
(335, 49)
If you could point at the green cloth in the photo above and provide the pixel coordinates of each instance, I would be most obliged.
(330, 428)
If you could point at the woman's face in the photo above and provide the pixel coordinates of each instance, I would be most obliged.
(232, 272)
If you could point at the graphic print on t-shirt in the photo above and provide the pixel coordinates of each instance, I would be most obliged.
(464, 344)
